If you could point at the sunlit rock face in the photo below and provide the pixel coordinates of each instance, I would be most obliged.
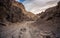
(13, 13)
(8, 11)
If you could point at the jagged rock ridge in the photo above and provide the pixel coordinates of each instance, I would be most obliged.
(49, 22)
(13, 11)
(47, 26)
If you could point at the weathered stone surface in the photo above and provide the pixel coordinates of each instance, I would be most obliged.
(49, 22)
(13, 11)
(47, 26)
(12, 14)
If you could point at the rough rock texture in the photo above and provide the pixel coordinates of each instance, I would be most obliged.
(49, 23)
(11, 14)
(13, 17)
(13, 11)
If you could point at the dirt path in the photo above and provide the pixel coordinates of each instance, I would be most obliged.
(19, 30)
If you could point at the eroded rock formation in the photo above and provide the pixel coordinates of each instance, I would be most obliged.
(49, 23)
(13, 13)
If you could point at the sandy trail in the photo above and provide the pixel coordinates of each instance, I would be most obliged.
(19, 30)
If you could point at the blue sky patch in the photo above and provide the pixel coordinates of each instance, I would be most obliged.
(21, 0)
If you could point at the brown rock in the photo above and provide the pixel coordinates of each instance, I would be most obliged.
(13, 11)
(49, 21)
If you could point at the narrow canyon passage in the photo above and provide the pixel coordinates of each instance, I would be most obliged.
(17, 22)
(23, 30)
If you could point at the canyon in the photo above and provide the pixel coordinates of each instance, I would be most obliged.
(16, 22)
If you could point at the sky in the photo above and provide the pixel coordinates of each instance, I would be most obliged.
(38, 6)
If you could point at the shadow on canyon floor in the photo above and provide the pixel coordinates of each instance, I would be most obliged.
(16, 22)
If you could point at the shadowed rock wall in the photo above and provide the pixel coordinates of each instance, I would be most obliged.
(47, 26)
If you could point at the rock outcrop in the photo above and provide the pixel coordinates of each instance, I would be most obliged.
(12, 14)
(13, 11)
(49, 22)
(13, 17)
